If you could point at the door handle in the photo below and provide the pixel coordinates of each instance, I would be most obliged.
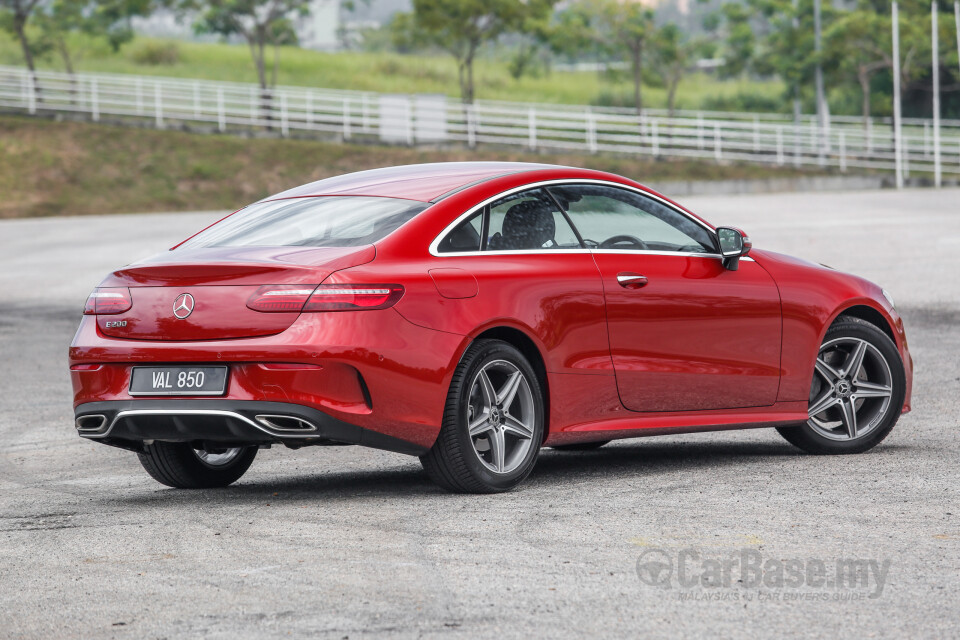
(630, 280)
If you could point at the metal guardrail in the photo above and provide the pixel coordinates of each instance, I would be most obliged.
(769, 139)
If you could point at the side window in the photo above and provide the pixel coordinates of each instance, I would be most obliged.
(529, 220)
(612, 218)
(466, 237)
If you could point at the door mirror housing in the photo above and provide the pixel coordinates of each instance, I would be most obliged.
(734, 244)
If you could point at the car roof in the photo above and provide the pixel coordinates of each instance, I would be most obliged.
(423, 182)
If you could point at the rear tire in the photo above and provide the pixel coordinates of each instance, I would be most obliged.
(581, 446)
(496, 392)
(179, 465)
(871, 397)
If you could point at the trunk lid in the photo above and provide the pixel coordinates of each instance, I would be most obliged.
(201, 294)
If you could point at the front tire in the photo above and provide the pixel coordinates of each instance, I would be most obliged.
(179, 465)
(492, 424)
(857, 391)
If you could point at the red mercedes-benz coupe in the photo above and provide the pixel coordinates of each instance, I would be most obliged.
(470, 314)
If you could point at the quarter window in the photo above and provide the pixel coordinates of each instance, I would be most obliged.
(466, 237)
(612, 218)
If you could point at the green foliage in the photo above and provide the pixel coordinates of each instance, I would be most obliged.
(260, 24)
(630, 29)
(740, 41)
(745, 101)
(390, 73)
(461, 27)
(609, 30)
(527, 60)
(402, 32)
(155, 53)
(572, 32)
(42, 27)
(14, 18)
(674, 55)
(776, 38)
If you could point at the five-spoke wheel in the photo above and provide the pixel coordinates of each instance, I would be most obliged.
(857, 391)
(493, 423)
(851, 389)
(500, 414)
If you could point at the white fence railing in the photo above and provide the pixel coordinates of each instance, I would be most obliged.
(433, 119)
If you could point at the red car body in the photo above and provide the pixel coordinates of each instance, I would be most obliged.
(703, 347)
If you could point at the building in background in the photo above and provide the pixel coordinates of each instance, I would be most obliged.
(321, 29)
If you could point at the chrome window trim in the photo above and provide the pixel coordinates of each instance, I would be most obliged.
(570, 182)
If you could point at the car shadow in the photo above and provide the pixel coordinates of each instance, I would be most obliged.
(619, 461)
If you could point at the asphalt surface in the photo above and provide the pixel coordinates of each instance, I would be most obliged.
(348, 542)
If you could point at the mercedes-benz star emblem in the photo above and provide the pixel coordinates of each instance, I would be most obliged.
(183, 305)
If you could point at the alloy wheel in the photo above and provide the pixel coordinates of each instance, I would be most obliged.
(217, 458)
(851, 390)
(501, 415)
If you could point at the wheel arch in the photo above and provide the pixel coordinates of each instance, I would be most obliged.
(872, 312)
(868, 314)
(864, 309)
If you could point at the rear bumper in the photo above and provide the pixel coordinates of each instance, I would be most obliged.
(128, 423)
(373, 369)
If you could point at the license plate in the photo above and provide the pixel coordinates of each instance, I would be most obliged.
(178, 381)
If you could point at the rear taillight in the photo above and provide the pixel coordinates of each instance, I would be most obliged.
(326, 297)
(350, 297)
(279, 298)
(106, 302)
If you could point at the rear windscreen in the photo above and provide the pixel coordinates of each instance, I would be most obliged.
(324, 221)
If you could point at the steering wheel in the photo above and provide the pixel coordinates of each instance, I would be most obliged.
(610, 243)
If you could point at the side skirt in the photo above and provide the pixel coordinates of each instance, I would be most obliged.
(638, 425)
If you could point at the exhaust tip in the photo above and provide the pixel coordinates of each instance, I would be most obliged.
(93, 423)
(285, 424)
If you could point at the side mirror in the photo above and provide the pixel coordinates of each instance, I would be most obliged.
(734, 244)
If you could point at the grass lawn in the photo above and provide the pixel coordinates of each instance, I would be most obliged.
(75, 168)
(383, 72)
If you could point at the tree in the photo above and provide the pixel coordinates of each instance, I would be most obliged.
(673, 55)
(530, 55)
(405, 36)
(573, 31)
(259, 23)
(775, 38)
(55, 21)
(461, 27)
(16, 15)
(772, 38)
(859, 44)
(109, 19)
(611, 29)
(630, 28)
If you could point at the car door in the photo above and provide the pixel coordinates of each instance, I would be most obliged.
(527, 265)
(686, 334)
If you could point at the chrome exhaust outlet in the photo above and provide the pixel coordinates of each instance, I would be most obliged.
(93, 423)
(285, 424)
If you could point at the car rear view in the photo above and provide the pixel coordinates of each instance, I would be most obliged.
(239, 338)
